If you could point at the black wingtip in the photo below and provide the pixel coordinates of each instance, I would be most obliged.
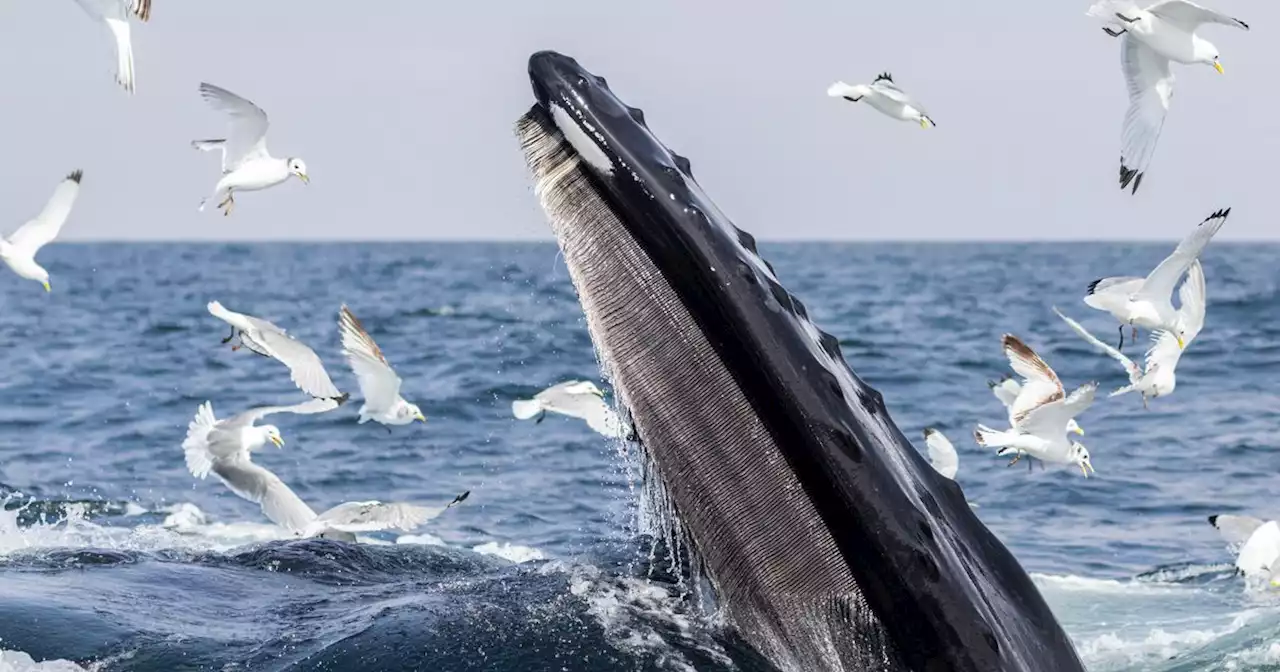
(75, 175)
(1242, 23)
(1129, 175)
(993, 383)
(1093, 286)
(884, 75)
(928, 431)
(1213, 520)
(460, 498)
(342, 399)
(1220, 214)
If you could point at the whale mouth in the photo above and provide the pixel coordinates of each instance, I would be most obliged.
(830, 543)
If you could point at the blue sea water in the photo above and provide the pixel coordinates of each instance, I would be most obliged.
(115, 558)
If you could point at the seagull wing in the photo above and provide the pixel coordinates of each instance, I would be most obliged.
(1112, 294)
(372, 516)
(1040, 385)
(1235, 529)
(1188, 15)
(308, 407)
(1160, 283)
(1150, 83)
(378, 381)
(38, 232)
(1259, 553)
(305, 368)
(1006, 391)
(1129, 367)
(247, 137)
(941, 453)
(1049, 419)
(1192, 297)
(256, 484)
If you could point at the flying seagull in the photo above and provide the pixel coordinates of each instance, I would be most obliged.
(115, 15)
(246, 164)
(1257, 541)
(1041, 412)
(379, 383)
(885, 96)
(266, 339)
(576, 399)
(1157, 377)
(20, 248)
(224, 448)
(1148, 302)
(1153, 37)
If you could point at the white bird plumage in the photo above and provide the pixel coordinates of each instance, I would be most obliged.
(942, 455)
(246, 163)
(1148, 302)
(1007, 390)
(1157, 378)
(379, 384)
(114, 14)
(1257, 545)
(884, 95)
(224, 448)
(1153, 37)
(18, 251)
(268, 340)
(576, 399)
(1040, 412)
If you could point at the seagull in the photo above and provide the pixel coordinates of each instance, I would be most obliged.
(1157, 378)
(1006, 390)
(1041, 413)
(1258, 542)
(246, 165)
(942, 455)
(115, 14)
(1148, 302)
(224, 447)
(266, 339)
(576, 399)
(886, 97)
(1162, 32)
(20, 248)
(379, 384)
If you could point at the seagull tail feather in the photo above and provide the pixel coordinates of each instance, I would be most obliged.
(196, 446)
(989, 438)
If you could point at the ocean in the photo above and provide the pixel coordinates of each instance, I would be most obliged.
(114, 557)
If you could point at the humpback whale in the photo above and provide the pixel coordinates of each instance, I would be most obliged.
(830, 543)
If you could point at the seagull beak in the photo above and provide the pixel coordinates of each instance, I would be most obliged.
(278, 441)
(304, 178)
(1181, 344)
(420, 416)
(1079, 430)
(1086, 467)
(1218, 66)
(924, 123)
(47, 288)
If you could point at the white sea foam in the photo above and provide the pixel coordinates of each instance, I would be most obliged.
(17, 661)
(509, 551)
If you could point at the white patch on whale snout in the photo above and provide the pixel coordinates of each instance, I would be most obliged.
(582, 144)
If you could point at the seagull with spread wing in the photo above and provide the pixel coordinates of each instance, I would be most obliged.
(224, 448)
(1040, 413)
(1157, 377)
(379, 383)
(114, 14)
(1153, 37)
(19, 250)
(246, 163)
(1148, 302)
(1257, 544)
(264, 338)
(575, 399)
(884, 95)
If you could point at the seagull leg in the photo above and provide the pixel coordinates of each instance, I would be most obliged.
(1016, 456)
(852, 100)
(1121, 346)
(1113, 33)
(1134, 334)
(227, 204)
(228, 339)
(1144, 403)
(1126, 19)
(387, 428)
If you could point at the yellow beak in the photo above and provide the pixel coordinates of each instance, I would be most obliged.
(47, 288)
(923, 123)
(1079, 430)
(304, 178)
(277, 440)
(1087, 470)
(420, 417)
(1218, 66)
(1181, 344)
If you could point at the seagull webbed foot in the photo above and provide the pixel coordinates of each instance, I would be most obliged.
(228, 339)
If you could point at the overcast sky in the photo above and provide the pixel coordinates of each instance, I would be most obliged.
(403, 111)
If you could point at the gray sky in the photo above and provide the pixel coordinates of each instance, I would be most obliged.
(403, 110)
